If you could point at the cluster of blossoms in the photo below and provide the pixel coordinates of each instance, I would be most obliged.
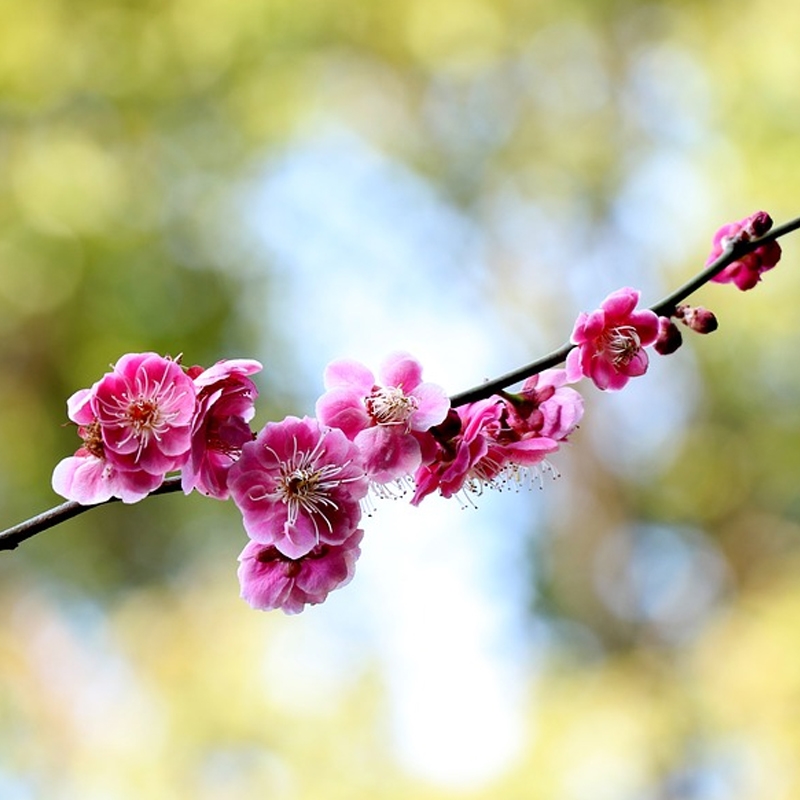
(149, 417)
(302, 484)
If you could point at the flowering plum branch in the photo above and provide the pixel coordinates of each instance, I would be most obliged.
(302, 484)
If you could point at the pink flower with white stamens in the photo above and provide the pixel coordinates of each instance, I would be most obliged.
(225, 405)
(386, 419)
(269, 579)
(611, 340)
(298, 485)
(487, 444)
(87, 477)
(145, 408)
(135, 424)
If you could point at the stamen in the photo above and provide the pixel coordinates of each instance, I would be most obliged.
(389, 405)
(304, 486)
(621, 344)
(93, 439)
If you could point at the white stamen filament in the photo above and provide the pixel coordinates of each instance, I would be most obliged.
(389, 405)
(622, 344)
(306, 486)
(149, 411)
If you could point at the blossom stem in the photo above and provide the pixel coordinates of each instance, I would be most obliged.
(11, 538)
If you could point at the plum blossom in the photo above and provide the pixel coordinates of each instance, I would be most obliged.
(611, 340)
(461, 442)
(299, 485)
(225, 405)
(145, 408)
(746, 271)
(269, 579)
(546, 406)
(500, 439)
(87, 478)
(135, 424)
(387, 419)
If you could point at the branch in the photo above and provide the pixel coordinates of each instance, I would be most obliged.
(10, 538)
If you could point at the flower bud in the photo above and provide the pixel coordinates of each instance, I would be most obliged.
(699, 319)
(669, 337)
(757, 224)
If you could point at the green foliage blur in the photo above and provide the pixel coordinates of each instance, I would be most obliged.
(131, 136)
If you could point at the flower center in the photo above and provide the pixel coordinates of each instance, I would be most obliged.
(308, 487)
(621, 345)
(143, 415)
(298, 485)
(389, 405)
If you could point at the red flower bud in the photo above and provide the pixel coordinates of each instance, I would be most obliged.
(699, 319)
(669, 337)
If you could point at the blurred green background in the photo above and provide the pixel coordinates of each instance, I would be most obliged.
(257, 178)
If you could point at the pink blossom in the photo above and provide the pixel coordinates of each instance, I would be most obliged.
(87, 478)
(546, 406)
(611, 340)
(225, 404)
(269, 579)
(461, 443)
(387, 420)
(746, 271)
(486, 444)
(147, 399)
(298, 485)
(145, 408)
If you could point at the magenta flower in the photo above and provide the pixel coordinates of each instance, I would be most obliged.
(386, 420)
(269, 579)
(298, 485)
(546, 406)
(513, 449)
(487, 444)
(145, 408)
(87, 478)
(746, 271)
(135, 424)
(462, 441)
(611, 341)
(225, 404)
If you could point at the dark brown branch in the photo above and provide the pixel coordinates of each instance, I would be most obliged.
(9, 539)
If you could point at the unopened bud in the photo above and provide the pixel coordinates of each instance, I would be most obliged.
(757, 224)
(669, 337)
(699, 319)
